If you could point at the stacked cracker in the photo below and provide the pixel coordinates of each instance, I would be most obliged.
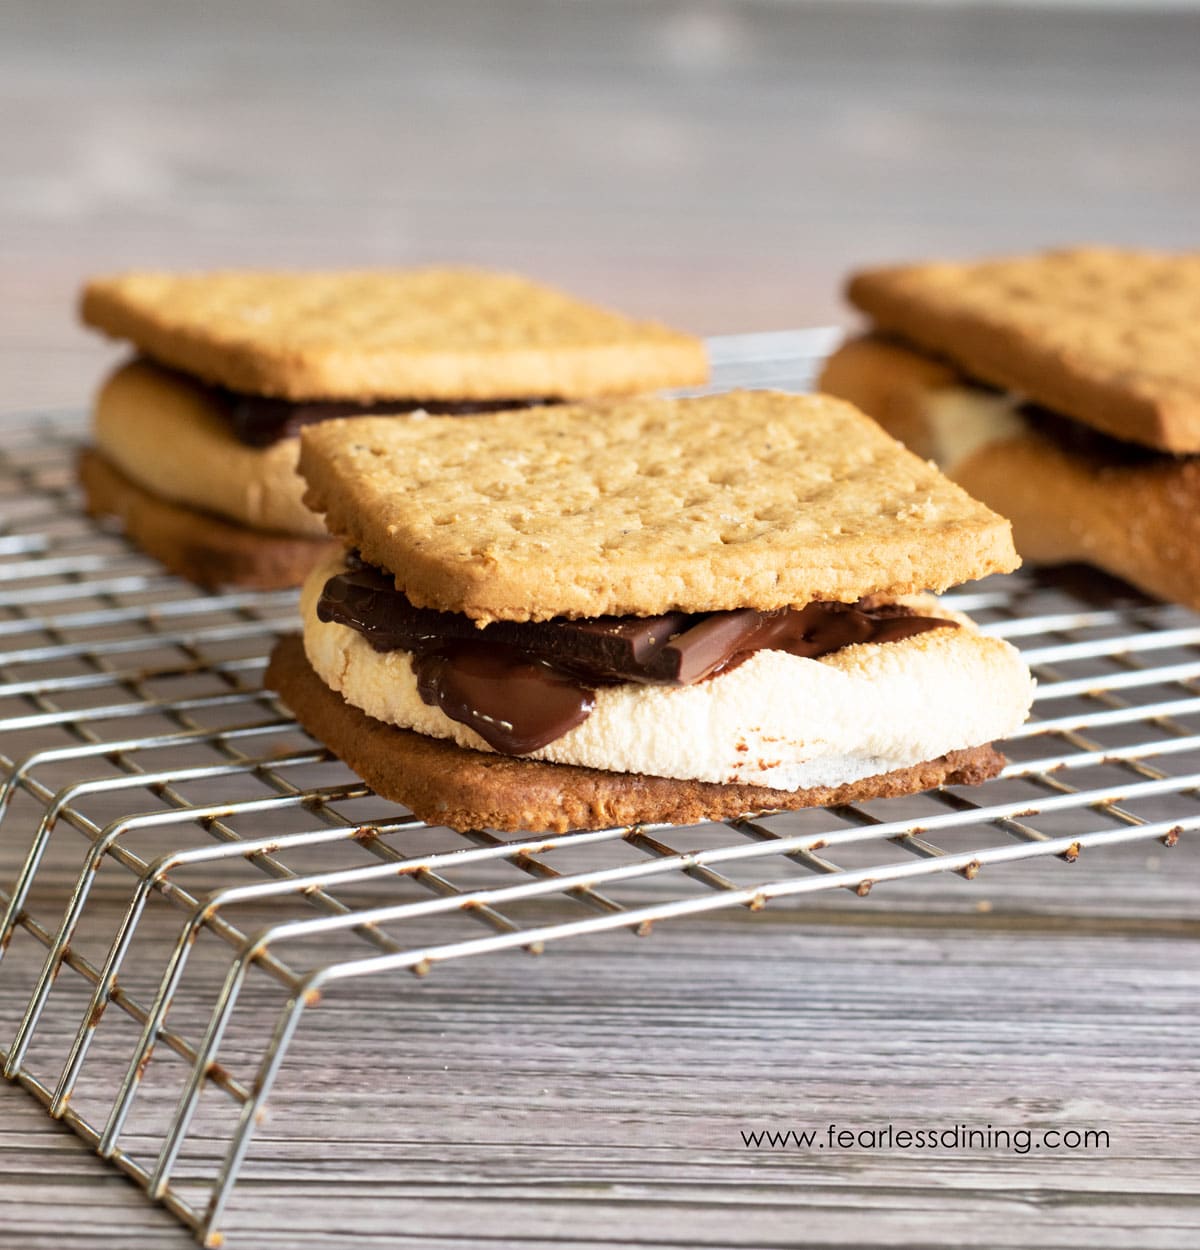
(1063, 389)
(196, 442)
(644, 611)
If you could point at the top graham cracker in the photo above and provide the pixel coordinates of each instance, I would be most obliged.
(1108, 337)
(750, 499)
(435, 334)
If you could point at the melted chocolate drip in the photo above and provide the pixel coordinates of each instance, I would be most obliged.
(259, 421)
(521, 685)
(514, 703)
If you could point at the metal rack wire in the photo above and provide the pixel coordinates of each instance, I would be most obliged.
(147, 780)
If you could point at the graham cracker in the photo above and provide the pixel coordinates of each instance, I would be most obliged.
(203, 548)
(445, 784)
(1108, 337)
(748, 499)
(434, 334)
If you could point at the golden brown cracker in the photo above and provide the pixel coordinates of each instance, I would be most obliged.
(748, 499)
(434, 334)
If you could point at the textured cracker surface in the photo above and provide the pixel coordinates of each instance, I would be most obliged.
(381, 334)
(205, 549)
(1138, 521)
(445, 784)
(1109, 337)
(750, 499)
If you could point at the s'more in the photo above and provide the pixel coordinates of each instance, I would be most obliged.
(1062, 389)
(646, 610)
(195, 440)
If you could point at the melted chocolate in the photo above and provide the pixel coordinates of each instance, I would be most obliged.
(259, 421)
(676, 648)
(514, 703)
(521, 685)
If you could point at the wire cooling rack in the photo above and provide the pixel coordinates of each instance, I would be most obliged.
(154, 797)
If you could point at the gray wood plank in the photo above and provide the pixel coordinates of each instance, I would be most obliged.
(597, 1096)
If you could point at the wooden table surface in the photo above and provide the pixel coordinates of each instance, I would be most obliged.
(719, 165)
